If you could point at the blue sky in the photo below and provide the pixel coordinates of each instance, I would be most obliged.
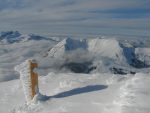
(76, 17)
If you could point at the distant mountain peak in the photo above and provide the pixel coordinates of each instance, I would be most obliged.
(8, 33)
(9, 37)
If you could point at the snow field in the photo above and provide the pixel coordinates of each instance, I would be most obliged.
(134, 94)
(72, 93)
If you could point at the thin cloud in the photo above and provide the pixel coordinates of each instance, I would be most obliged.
(76, 16)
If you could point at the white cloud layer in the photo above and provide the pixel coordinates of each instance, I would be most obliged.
(124, 17)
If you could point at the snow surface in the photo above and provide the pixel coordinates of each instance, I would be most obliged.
(72, 93)
(62, 91)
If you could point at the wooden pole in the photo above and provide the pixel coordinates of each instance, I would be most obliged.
(34, 78)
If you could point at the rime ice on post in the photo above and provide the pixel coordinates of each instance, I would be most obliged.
(29, 79)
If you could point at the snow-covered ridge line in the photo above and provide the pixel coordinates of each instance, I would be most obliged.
(110, 51)
(15, 36)
(86, 55)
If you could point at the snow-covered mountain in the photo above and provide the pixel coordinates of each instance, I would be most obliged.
(111, 53)
(66, 45)
(16, 47)
(77, 55)
(79, 74)
(15, 36)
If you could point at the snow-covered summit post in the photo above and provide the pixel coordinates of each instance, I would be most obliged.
(29, 78)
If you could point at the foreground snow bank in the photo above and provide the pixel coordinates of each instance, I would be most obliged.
(134, 95)
(87, 93)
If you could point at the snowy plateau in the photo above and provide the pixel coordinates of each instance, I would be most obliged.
(93, 75)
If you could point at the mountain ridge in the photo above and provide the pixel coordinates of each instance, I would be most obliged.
(108, 52)
(9, 37)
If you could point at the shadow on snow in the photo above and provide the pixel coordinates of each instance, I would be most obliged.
(75, 91)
